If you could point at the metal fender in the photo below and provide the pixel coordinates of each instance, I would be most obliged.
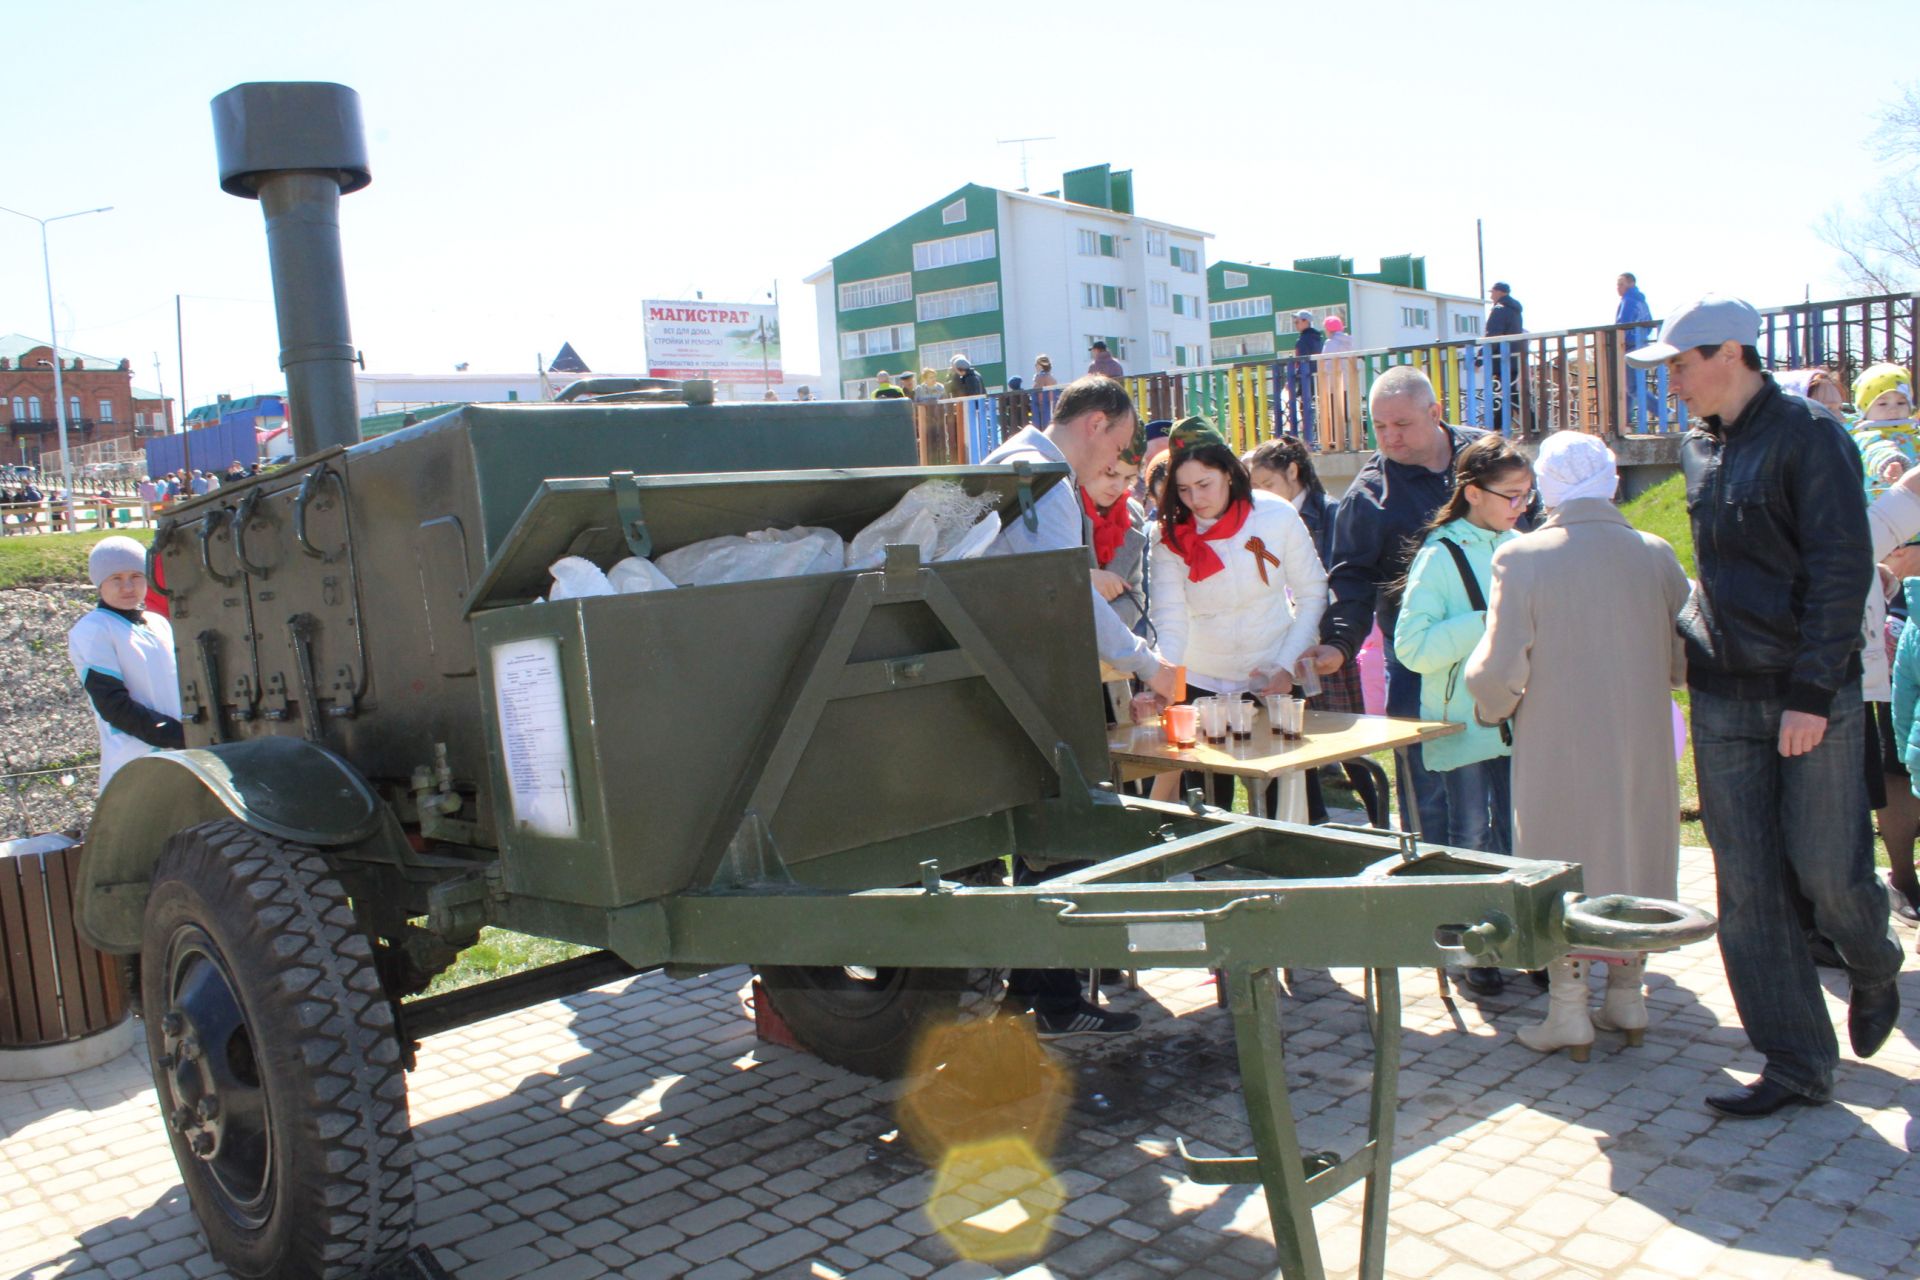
(284, 787)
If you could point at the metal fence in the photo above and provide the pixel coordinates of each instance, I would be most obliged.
(47, 800)
(1531, 384)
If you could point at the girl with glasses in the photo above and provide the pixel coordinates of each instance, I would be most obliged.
(1442, 617)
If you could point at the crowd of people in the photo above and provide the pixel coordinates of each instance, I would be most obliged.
(1514, 600)
(1511, 599)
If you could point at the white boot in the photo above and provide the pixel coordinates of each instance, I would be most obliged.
(1625, 1007)
(1567, 1026)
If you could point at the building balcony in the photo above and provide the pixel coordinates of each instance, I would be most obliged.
(41, 426)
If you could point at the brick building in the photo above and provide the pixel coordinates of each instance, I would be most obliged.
(102, 402)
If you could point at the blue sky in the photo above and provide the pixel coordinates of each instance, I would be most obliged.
(538, 170)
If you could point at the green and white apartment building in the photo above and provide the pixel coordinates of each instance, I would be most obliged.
(1003, 276)
(1250, 306)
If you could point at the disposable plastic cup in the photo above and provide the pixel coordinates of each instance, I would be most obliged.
(1240, 716)
(1293, 718)
(1276, 713)
(1213, 718)
(1182, 725)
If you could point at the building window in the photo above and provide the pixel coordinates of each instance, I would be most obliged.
(33, 408)
(1103, 297)
(975, 247)
(1185, 356)
(1469, 325)
(955, 212)
(106, 411)
(1093, 244)
(1415, 317)
(1285, 323)
(1185, 259)
(1243, 344)
(857, 388)
(1162, 344)
(1240, 308)
(139, 421)
(978, 351)
(1186, 304)
(1156, 242)
(1235, 280)
(19, 409)
(1157, 293)
(73, 408)
(876, 342)
(877, 292)
(945, 303)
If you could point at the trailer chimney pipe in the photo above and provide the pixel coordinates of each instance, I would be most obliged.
(297, 148)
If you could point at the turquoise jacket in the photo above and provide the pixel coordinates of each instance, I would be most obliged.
(1436, 632)
(1906, 685)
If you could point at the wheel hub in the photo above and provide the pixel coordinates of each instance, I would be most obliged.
(212, 1091)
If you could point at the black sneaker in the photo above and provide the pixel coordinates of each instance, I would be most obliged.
(1083, 1021)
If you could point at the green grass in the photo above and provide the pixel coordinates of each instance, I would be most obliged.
(501, 952)
(1662, 510)
(52, 557)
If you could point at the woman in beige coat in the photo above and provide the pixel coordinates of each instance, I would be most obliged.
(1581, 652)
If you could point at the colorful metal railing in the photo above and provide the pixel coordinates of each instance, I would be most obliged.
(1531, 384)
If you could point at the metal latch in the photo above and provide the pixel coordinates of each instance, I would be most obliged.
(1023, 470)
(633, 523)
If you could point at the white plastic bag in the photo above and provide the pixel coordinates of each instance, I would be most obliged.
(938, 516)
(765, 553)
(635, 574)
(978, 539)
(575, 578)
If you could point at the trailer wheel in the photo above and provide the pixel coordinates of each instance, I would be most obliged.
(274, 1058)
(869, 1020)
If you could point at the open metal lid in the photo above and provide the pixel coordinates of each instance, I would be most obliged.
(608, 518)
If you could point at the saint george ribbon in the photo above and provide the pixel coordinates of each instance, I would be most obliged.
(1262, 557)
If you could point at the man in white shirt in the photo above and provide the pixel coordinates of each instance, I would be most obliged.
(1092, 423)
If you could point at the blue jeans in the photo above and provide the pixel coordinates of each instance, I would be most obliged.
(1480, 805)
(1300, 397)
(1792, 843)
(1429, 793)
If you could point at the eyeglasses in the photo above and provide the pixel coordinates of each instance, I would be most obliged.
(1515, 501)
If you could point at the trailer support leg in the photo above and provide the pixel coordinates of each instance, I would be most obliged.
(1295, 1181)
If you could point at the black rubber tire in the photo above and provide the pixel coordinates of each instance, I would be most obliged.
(872, 1025)
(314, 1180)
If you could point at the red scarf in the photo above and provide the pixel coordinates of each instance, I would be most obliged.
(1109, 530)
(1202, 560)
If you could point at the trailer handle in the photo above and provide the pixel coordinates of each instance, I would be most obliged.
(1070, 912)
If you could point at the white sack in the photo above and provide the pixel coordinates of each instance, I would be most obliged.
(937, 516)
(765, 553)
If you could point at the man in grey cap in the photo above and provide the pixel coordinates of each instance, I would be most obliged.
(1307, 343)
(1772, 635)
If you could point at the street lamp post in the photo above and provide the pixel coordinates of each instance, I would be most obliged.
(53, 340)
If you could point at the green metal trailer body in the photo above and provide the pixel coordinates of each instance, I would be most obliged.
(393, 741)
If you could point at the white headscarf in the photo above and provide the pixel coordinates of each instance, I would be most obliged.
(1573, 464)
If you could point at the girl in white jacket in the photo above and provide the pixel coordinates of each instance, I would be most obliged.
(1237, 585)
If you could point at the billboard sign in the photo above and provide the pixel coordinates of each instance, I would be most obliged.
(725, 341)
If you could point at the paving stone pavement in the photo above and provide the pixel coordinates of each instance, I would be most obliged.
(640, 1130)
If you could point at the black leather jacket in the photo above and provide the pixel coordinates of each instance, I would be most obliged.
(1785, 557)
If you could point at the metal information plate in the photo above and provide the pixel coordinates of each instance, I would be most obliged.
(532, 707)
(1166, 937)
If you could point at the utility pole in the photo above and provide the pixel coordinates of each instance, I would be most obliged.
(1480, 244)
(180, 345)
(53, 343)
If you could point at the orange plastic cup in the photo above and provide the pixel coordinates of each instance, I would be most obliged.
(1181, 724)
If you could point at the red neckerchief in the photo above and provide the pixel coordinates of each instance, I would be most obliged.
(1109, 530)
(1202, 560)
